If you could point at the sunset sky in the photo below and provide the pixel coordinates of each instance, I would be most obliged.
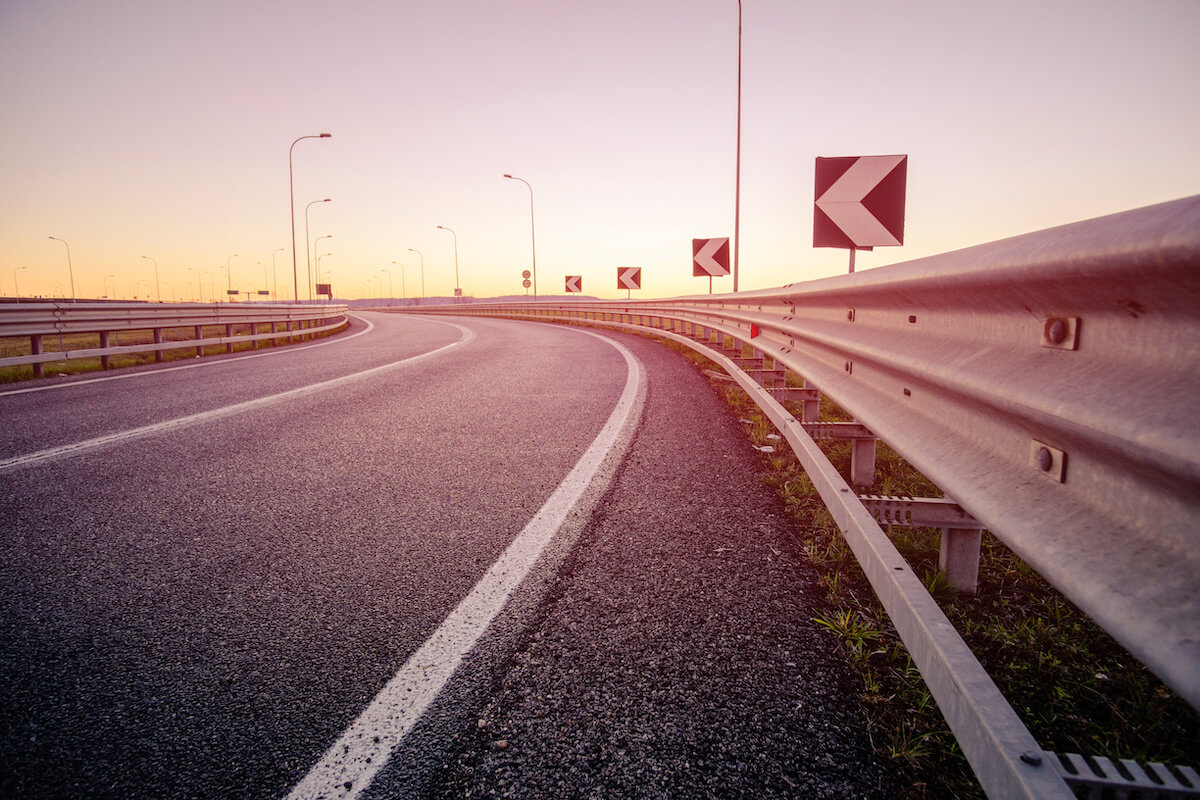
(160, 128)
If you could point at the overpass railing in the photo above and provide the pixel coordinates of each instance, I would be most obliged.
(60, 319)
(1049, 384)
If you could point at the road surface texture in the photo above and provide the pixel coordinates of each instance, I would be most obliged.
(211, 573)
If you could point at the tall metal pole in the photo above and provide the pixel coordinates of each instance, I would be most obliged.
(70, 268)
(274, 277)
(737, 191)
(16, 289)
(229, 275)
(199, 284)
(422, 255)
(307, 252)
(532, 230)
(292, 211)
(457, 287)
(403, 285)
(157, 286)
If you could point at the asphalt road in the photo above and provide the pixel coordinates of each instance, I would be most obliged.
(213, 574)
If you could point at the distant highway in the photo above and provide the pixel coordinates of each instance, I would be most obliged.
(429, 557)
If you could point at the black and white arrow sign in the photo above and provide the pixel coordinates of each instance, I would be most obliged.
(574, 283)
(860, 201)
(710, 257)
(629, 277)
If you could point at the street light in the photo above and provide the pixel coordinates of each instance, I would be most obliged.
(157, 287)
(532, 231)
(307, 253)
(229, 275)
(319, 265)
(391, 286)
(16, 289)
(403, 290)
(457, 288)
(292, 210)
(274, 277)
(70, 268)
(199, 285)
(422, 255)
(317, 277)
(737, 190)
(106, 277)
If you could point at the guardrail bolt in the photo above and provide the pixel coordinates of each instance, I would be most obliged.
(1056, 330)
(1045, 460)
(1031, 758)
(850, 315)
(850, 367)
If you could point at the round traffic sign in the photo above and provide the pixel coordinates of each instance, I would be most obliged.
(526, 283)
(526, 274)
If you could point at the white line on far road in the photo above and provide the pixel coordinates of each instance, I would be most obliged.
(217, 413)
(349, 766)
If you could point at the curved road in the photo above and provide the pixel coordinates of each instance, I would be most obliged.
(322, 571)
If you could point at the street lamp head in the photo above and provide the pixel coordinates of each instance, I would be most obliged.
(507, 175)
(327, 200)
(325, 136)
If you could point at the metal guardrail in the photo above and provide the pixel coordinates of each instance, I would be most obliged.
(38, 320)
(1048, 383)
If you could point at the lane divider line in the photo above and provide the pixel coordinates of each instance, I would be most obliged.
(351, 763)
(204, 363)
(74, 448)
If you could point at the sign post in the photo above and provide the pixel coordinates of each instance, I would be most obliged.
(629, 278)
(710, 258)
(859, 202)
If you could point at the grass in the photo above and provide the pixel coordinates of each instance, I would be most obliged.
(1073, 686)
(20, 346)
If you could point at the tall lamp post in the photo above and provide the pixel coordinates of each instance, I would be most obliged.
(229, 275)
(532, 231)
(403, 287)
(737, 190)
(274, 276)
(199, 284)
(106, 277)
(318, 275)
(157, 286)
(316, 278)
(70, 268)
(457, 287)
(422, 255)
(292, 210)
(307, 252)
(16, 289)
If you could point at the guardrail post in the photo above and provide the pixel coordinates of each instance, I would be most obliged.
(105, 361)
(35, 347)
(199, 336)
(862, 463)
(254, 332)
(158, 339)
(959, 557)
(229, 335)
(812, 408)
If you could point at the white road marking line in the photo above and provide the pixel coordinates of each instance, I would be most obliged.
(350, 765)
(275, 352)
(74, 448)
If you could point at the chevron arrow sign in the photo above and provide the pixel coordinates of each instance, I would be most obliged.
(574, 283)
(860, 202)
(629, 277)
(710, 257)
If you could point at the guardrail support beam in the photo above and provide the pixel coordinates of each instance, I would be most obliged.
(105, 361)
(959, 557)
(35, 348)
(158, 339)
